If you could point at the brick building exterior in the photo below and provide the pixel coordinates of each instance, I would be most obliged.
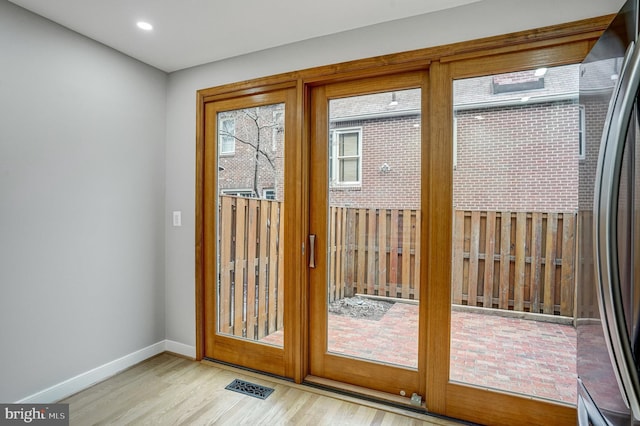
(516, 146)
(517, 141)
(248, 136)
(531, 166)
(596, 87)
(390, 130)
(390, 165)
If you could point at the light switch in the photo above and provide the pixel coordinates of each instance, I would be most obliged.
(177, 218)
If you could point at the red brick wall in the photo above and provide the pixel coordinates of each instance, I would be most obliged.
(396, 142)
(238, 167)
(519, 158)
(595, 113)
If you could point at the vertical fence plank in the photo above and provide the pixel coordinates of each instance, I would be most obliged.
(393, 254)
(263, 268)
(280, 272)
(505, 259)
(588, 297)
(240, 267)
(472, 299)
(536, 261)
(416, 254)
(568, 264)
(338, 275)
(489, 251)
(331, 281)
(371, 252)
(382, 252)
(344, 253)
(226, 265)
(350, 242)
(252, 239)
(549, 267)
(273, 267)
(362, 248)
(406, 252)
(458, 257)
(520, 243)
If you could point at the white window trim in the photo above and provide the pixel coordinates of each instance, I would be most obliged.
(238, 192)
(221, 144)
(336, 161)
(267, 191)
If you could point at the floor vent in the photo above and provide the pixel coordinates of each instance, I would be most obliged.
(250, 389)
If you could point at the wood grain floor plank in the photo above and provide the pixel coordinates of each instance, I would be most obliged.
(170, 390)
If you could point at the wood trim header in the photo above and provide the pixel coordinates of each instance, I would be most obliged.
(578, 31)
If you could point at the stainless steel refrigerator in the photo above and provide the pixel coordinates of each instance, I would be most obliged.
(608, 278)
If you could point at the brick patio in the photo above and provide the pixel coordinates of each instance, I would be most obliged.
(517, 355)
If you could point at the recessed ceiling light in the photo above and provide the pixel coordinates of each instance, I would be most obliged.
(144, 26)
(524, 98)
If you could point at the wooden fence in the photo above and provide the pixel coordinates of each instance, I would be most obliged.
(374, 252)
(586, 298)
(250, 294)
(507, 260)
(520, 261)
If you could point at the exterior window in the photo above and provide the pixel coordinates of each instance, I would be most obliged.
(226, 136)
(269, 194)
(346, 158)
(247, 193)
(581, 129)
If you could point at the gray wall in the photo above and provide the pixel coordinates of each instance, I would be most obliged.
(482, 19)
(82, 137)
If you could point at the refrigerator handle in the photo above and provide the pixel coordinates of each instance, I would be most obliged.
(605, 211)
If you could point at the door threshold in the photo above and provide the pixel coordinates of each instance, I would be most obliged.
(403, 402)
(378, 399)
(373, 400)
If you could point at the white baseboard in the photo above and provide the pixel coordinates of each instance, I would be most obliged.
(180, 349)
(84, 380)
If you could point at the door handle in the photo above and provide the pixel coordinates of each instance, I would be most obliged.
(605, 227)
(312, 251)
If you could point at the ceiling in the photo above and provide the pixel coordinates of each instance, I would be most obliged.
(193, 32)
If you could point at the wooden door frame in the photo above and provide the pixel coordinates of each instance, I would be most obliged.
(270, 359)
(463, 400)
(553, 45)
(395, 380)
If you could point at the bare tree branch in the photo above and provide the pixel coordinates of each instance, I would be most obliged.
(255, 120)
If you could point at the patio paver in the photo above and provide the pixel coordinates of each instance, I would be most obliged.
(516, 355)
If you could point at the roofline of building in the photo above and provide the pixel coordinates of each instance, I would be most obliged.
(518, 101)
(462, 107)
(376, 115)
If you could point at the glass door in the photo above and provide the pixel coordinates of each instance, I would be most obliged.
(515, 200)
(245, 216)
(516, 148)
(366, 225)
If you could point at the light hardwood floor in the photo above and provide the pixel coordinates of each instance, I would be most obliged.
(171, 390)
